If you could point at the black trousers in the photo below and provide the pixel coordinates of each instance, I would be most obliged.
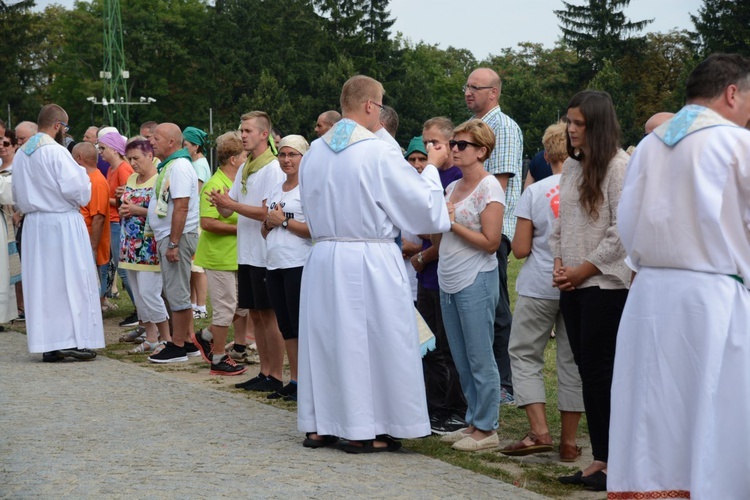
(592, 317)
(440, 377)
(503, 319)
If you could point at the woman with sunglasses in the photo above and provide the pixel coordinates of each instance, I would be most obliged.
(10, 264)
(469, 283)
(589, 262)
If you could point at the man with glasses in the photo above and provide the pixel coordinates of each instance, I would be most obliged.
(482, 93)
(63, 318)
(360, 375)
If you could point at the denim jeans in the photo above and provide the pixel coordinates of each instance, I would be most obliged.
(115, 229)
(102, 270)
(468, 316)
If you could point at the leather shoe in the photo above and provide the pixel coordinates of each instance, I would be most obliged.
(569, 452)
(539, 444)
(596, 481)
(52, 356)
(80, 354)
(575, 479)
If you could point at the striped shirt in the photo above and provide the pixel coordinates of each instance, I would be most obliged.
(506, 158)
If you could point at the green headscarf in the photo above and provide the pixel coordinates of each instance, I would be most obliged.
(196, 136)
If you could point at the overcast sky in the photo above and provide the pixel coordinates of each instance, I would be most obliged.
(487, 26)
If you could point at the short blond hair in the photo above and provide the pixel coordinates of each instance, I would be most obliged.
(261, 118)
(228, 145)
(359, 89)
(442, 124)
(555, 142)
(480, 133)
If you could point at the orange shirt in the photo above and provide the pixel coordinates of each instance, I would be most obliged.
(117, 177)
(99, 205)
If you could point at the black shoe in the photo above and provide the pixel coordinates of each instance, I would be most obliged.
(446, 422)
(52, 356)
(130, 321)
(575, 479)
(596, 481)
(227, 367)
(288, 391)
(170, 354)
(204, 346)
(270, 384)
(191, 350)
(79, 354)
(249, 383)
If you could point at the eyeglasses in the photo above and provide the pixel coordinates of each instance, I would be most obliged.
(284, 156)
(6, 144)
(66, 127)
(474, 88)
(377, 104)
(462, 144)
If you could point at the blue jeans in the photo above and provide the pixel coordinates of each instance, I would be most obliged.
(115, 229)
(102, 279)
(468, 316)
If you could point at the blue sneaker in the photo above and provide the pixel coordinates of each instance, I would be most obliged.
(506, 398)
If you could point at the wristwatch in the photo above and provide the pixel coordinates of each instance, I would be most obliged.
(171, 246)
(285, 223)
(419, 258)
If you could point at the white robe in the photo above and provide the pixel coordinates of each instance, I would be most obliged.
(8, 306)
(681, 387)
(59, 275)
(360, 371)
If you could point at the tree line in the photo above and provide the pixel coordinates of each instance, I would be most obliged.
(290, 58)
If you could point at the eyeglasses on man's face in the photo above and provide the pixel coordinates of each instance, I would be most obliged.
(474, 88)
(377, 104)
(66, 127)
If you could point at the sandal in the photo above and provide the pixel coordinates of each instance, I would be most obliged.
(109, 307)
(521, 449)
(368, 446)
(318, 443)
(147, 347)
(137, 336)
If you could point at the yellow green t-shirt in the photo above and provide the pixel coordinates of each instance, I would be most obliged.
(216, 251)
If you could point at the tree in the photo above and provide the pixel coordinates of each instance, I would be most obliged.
(599, 30)
(723, 26)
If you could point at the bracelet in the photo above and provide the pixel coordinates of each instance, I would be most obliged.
(452, 224)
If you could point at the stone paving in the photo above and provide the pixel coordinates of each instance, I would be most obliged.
(109, 429)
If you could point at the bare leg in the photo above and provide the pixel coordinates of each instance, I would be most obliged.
(219, 334)
(269, 341)
(152, 332)
(569, 421)
(291, 353)
(241, 326)
(163, 328)
(182, 325)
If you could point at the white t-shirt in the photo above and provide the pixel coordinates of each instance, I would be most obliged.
(285, 249)
(539, 203)
(202, 169)
(251, 247)
(459, 261)
(183, 183)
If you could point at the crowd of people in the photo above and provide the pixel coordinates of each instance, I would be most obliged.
(325, 252)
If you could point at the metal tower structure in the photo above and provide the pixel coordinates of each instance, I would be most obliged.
(114, 76)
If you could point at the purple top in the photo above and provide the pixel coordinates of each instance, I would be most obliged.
(428, 277)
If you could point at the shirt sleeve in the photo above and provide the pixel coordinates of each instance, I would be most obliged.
(523, 208)
(206, 209)
(507, 157)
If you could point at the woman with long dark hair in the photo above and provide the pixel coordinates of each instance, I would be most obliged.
(589, 267)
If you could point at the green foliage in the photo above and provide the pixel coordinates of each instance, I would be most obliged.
(291, 57)
(723, 26)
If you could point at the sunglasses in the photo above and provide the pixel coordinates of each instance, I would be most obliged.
(462, 144)
(6, 144)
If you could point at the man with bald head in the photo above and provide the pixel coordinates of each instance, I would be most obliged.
(96, 213)
(326, 120)
(24, 132)
(173, 215)
(656, 120)
(360, 372)
(482, 94)
(63, 317)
